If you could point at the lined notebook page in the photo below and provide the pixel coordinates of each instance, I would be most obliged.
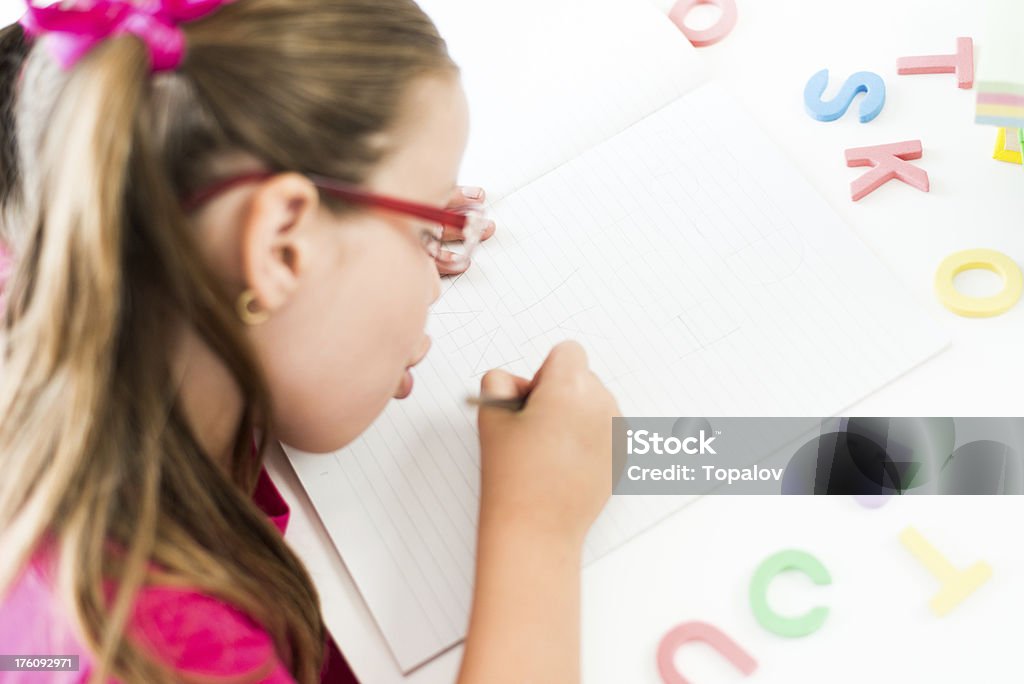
(703, 276)
(545, 83)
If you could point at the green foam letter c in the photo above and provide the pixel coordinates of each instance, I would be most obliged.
(790, 559)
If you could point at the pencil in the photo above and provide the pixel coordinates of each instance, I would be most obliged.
(509, 404)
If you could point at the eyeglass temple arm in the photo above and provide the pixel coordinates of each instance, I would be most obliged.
(444, 216)
(449, 218)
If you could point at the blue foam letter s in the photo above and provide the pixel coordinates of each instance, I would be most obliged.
(860, 82)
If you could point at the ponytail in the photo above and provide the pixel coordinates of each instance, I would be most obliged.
(107, 271)
(66, 298)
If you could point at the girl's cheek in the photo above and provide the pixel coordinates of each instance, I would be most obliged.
(435, 283)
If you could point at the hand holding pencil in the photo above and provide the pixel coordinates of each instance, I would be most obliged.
(546, 446)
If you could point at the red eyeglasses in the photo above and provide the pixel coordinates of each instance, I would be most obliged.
(471, 221)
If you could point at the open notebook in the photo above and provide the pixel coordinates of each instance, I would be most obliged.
(642, 214)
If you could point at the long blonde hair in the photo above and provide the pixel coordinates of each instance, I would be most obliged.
(99, 465)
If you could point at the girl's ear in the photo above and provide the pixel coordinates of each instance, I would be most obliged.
(275, 240)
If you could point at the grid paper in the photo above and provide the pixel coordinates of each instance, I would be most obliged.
(703, 278)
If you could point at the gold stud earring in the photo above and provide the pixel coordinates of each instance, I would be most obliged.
(244, 305)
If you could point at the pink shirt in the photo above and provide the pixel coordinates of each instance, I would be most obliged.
(192, 632)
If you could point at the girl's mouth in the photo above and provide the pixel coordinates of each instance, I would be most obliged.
(406, 383)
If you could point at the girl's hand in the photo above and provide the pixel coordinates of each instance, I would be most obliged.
(548, 467)
(547, 471)
(461, 196)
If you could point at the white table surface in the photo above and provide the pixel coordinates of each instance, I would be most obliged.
(697, 564)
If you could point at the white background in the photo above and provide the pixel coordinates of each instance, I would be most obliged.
(697, 565)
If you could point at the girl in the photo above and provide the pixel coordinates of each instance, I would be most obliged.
(225, 220)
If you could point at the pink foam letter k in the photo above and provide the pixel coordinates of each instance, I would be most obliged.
(890, 161)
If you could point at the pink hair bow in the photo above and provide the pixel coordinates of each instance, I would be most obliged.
(72, 31)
